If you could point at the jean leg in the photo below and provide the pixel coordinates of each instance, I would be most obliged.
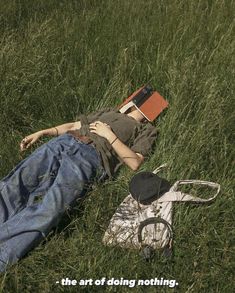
(40, 167)
(28, 227)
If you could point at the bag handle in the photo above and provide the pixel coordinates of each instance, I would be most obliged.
(158, 169)
(174, 195)
(147, 251)
(153, 220)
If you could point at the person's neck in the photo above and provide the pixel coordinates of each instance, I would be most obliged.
(136, 115)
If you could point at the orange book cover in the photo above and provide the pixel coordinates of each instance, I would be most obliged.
(150, 103)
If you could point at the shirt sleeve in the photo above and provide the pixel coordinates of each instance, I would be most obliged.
(144, 140)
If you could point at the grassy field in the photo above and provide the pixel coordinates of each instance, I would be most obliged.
(61, 58)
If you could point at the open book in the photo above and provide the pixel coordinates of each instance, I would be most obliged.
(150, 103)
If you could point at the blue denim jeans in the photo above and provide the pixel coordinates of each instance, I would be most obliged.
(37, 192)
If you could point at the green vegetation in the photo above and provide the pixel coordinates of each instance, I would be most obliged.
(60, 58)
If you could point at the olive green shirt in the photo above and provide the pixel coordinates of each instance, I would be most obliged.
(139, 136)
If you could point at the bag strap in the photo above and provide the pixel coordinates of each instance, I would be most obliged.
(153, 220)
(147, 251)
(174, 195)
(158, 169)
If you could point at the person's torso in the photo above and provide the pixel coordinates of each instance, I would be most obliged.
(122, 125)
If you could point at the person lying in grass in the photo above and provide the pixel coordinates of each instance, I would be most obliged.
(38, 191)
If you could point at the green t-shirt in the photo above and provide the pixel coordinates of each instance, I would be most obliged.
(139, 136)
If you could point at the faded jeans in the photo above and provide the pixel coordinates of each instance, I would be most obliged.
(37, 192)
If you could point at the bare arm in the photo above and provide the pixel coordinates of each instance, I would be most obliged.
(61, 129)
(129, 157)
(53, 131)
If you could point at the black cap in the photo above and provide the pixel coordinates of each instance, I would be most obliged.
(146, 187)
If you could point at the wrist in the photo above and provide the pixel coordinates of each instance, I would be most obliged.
(111, 143)
(48, 131)
(41, 132)
(110, 138)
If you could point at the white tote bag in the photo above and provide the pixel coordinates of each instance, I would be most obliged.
(137, 226)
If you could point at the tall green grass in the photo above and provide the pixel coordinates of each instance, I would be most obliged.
(62, 58)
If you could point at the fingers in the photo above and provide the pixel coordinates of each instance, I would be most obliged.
(100, 128)
(24, 140)
(96, 124)
(92, 127)
(93, 131)
(26, 143)
(22, 147)
(23, 143)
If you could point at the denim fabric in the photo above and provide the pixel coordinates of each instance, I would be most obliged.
(37, 192)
